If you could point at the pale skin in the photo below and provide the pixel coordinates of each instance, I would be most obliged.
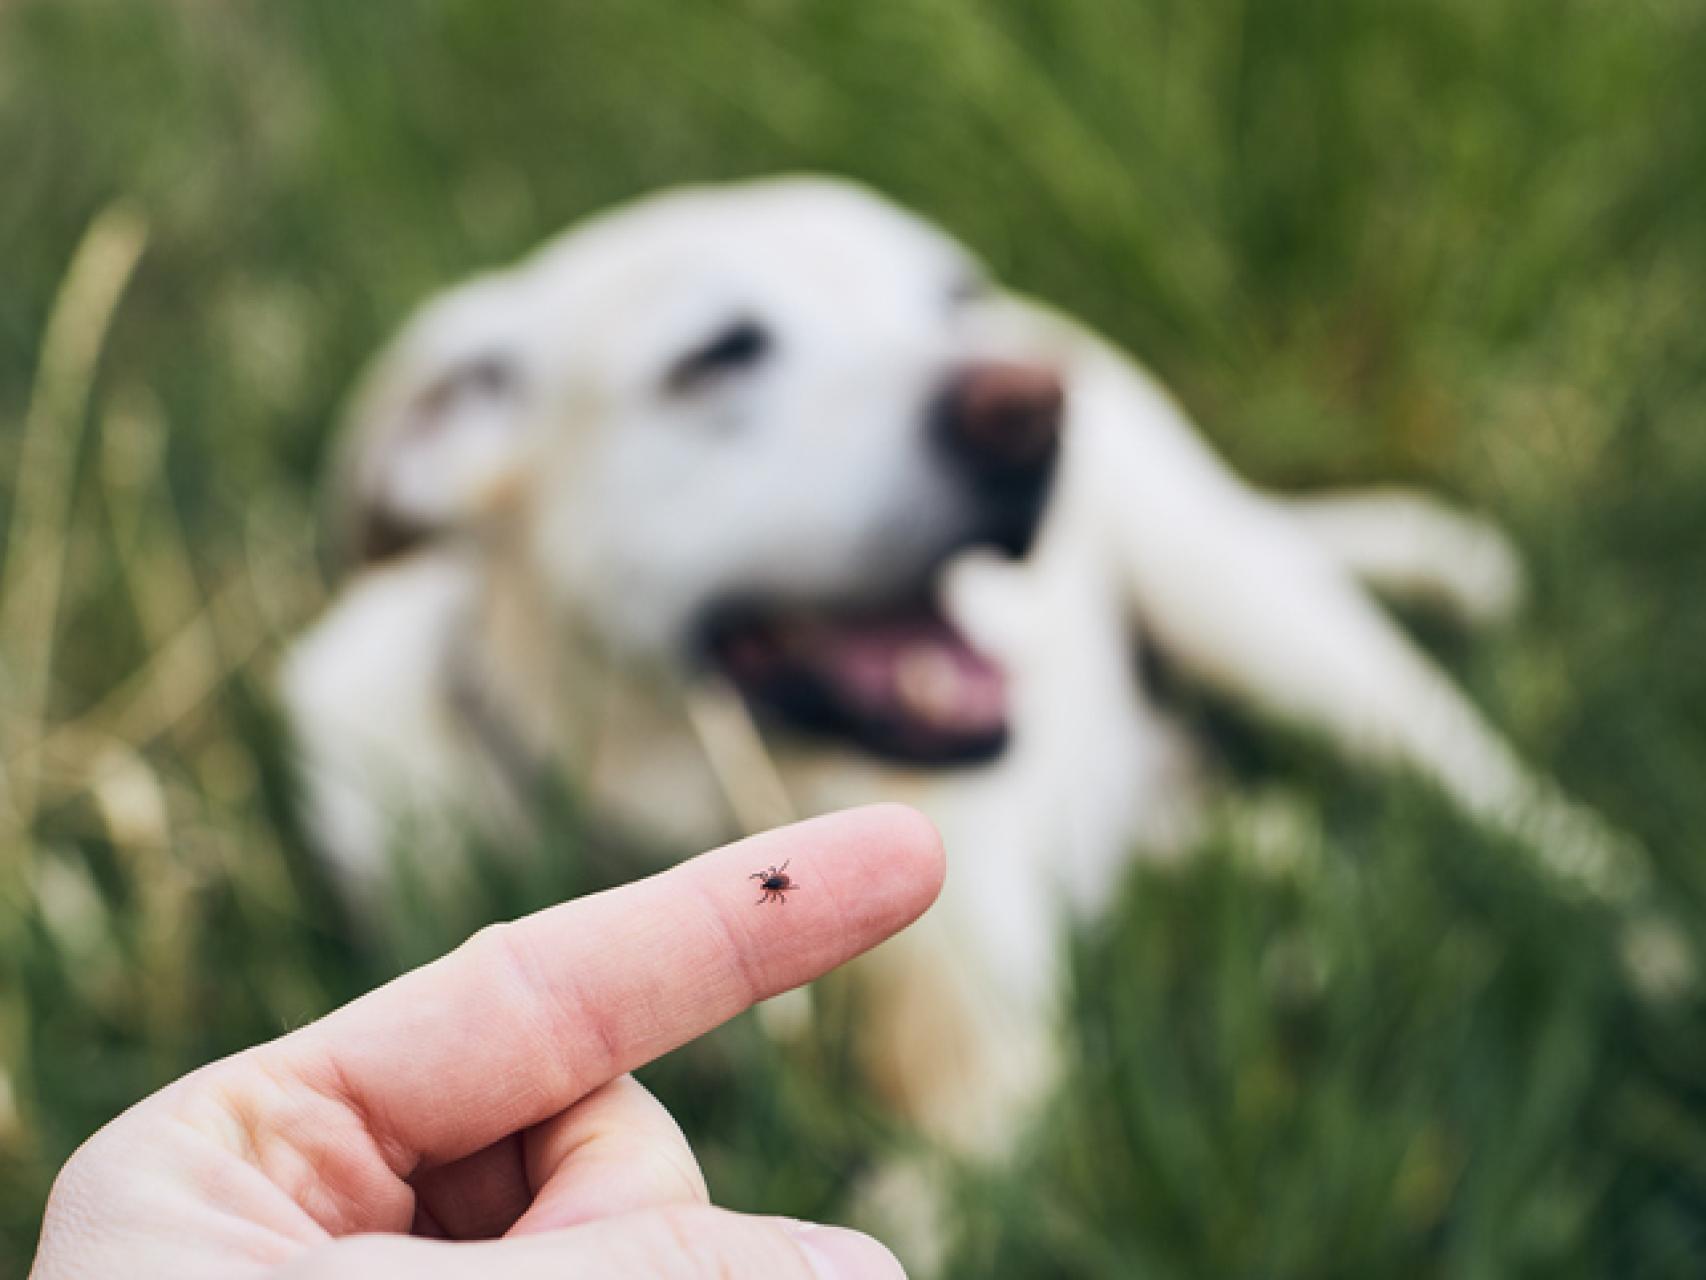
(475, 1117)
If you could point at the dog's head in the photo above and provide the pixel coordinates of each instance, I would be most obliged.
(743, 425)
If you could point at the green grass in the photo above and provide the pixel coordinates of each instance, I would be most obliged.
(1456, 242)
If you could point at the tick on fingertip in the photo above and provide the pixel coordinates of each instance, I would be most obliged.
(776, 882)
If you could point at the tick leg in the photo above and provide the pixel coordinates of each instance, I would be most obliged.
(782, 868)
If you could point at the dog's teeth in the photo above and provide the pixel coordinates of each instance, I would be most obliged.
(928, 681)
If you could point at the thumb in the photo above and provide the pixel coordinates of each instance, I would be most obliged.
(680, 1242)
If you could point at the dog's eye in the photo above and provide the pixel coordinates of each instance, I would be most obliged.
(740, 346)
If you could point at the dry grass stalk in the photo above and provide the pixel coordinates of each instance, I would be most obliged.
(34, 553)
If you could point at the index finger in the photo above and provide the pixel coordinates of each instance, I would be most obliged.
(528, 1017)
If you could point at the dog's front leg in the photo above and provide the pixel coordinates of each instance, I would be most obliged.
(1235, 592)
(954, 1040)
(958, 1034)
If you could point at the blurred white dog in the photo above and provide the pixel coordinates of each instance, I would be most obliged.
(747, 502)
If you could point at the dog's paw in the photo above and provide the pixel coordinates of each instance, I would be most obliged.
(1411, 546)
(1482, 580)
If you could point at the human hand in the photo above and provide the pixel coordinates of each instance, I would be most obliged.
(474, 1117)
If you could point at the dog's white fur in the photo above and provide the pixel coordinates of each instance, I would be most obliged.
(572, 518)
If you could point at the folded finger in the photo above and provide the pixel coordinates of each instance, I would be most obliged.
(615, 1151)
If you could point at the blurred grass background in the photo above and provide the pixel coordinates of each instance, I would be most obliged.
(1456, 242)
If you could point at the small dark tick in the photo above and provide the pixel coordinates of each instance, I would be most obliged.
(776, 882)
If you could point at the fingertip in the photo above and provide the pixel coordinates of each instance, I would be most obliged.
(862, 875)
(890, 845)
(916, 845)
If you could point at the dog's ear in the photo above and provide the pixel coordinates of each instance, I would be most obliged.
(435, 433)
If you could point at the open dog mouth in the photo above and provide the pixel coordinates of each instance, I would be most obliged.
(901, 682)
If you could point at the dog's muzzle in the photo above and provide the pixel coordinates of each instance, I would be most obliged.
(898, 678)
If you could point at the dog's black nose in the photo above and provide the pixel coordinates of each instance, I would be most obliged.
(1002, 419)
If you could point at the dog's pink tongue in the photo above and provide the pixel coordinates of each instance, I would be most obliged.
(916, 669)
